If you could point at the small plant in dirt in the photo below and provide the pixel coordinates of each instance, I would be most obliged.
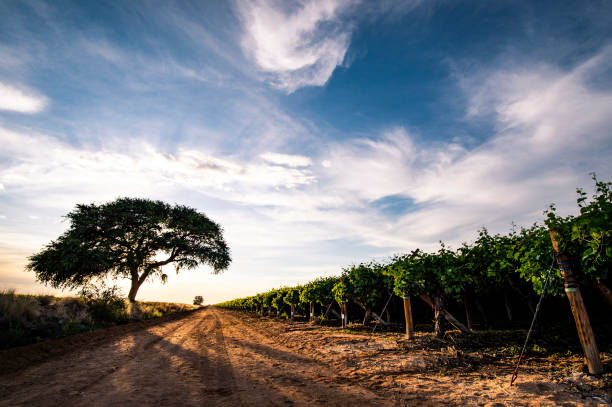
(105, 304)
(198, 300)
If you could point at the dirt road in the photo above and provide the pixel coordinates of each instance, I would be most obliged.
(216, 357)
(209, 358)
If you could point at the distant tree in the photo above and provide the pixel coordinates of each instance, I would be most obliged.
(130, 238)
(198, 300)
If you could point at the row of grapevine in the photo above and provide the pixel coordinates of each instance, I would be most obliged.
(492, 265)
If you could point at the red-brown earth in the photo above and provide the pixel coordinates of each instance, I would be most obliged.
(214, 357)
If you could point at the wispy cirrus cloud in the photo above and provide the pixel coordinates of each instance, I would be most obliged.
(21, 100)
(290, 160)
(186, 115)
(538, 153)
(551, 130)
(277, 206)
(133, 167)
(295, 45)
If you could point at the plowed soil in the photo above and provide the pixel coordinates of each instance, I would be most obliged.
(214, 357)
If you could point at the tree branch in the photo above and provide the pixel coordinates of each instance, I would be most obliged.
(173, 256)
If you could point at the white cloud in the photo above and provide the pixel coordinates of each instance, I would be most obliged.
(21, 100)
(511, 176)
(297, 46)
(45, 164)
(287, 159)
(552, 129)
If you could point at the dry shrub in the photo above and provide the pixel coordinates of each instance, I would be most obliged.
(72, 309)
(46, 300)
(18, 308)
(151, 309)
(105, 304)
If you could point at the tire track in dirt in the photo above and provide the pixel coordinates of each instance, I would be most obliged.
(15, 359)
(147, 357)
(68, 380)
(279, 376)
(169, 370)
(208, 358)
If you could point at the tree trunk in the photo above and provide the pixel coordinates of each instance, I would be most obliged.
(508, 310)
(387, 316)
(363, 307)
(292, 311)
(333, 311)
(312, 311)
(133, 290)
(483, 314)
(368, 315)
(408, 318)
(468, 315)
(329, 308)
(378, 318)
(447, 315)
(133, 309)
(439, 317)
(603, 290)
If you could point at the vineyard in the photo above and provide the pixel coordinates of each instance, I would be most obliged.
(498, 276)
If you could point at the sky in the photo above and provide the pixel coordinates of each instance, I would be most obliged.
(319, 134)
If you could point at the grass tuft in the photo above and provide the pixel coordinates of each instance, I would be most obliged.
(18, 308)
(26, 319)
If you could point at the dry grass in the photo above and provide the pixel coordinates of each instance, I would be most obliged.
(152, 309)
(27, 319)
(18, 308)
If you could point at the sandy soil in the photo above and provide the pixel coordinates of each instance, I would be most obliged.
(214, 357)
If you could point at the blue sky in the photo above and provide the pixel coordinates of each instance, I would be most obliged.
(318, 133)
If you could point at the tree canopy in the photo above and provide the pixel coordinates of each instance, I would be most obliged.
(131, 238)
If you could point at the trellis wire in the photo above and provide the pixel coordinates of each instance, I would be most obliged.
(535, 315)
(382, 312)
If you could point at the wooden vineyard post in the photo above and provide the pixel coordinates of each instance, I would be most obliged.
(343, 315)
(408, 317)
(312, 309)
(583, 325)
(439, 317)
(292, 310)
